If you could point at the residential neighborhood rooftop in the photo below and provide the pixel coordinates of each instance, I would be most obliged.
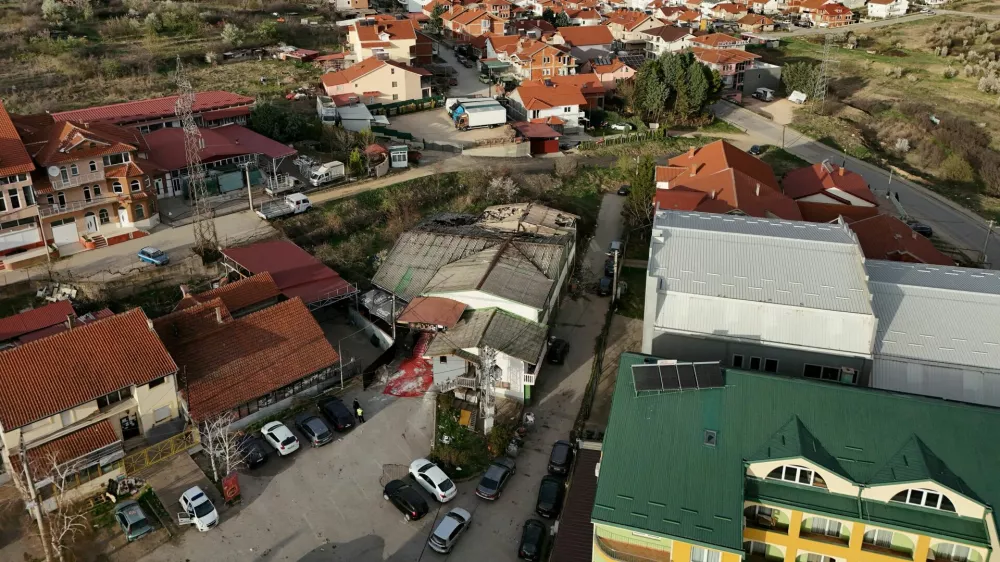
(154, 108)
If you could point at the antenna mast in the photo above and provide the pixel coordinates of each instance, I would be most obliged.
(826, 68)
(206, 239)
(487, 386)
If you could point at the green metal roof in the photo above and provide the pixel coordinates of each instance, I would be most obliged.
(658, 476)
(915, 462)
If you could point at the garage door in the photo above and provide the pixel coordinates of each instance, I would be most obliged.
(65, 234)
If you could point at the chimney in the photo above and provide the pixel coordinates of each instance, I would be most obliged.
(69, 321)
(713, 194)
(841, 170)
(185, 292)
(913, 233)
(691, 153)
(694, 169)
(218, 314)
(757, 191)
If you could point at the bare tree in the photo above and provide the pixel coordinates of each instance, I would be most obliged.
(221, 444)
(502, 189)
(67, 520)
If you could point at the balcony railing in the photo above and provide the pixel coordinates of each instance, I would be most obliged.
(73, 181)
(47, 210)
(464, 382)
(820, 537)
(529, 378)
(766, 523)
(629, 552)
(901, 554)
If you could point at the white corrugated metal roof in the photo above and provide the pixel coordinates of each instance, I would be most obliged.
(940, 314)
(798, 264)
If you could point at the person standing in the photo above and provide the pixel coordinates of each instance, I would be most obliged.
(360, 413)
(356, 405)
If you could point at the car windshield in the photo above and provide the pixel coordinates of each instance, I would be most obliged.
(203, 509)
(288, 440)
(316, 426)
(155, 253)
(446, 485)
(425, 467)
(559, 453)
(487, 482)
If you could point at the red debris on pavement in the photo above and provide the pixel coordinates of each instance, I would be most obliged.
(415, 374)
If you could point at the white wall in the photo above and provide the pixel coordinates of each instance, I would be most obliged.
(951, 382)
(479, 299)
(384, 339)
(842, 195)
(153, 402)
(18, 238)
(963, 505)
(572, 118)
(443, 372)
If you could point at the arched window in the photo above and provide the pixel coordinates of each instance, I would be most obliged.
(924, 498)
(74, 170)
(102, 215)
(949, 551)
(93, 166)
(139, 212)
(116, 187)
(135, 185)
(797, 474)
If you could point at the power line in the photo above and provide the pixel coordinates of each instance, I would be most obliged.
(205, 236)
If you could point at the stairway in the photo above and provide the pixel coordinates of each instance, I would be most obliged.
(99, 241)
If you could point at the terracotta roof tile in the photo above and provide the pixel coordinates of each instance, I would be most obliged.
(627, 19)
(35, 319)
(65, 141)
(817, 178)
(70, 447)
(189, 323)
(723, 56)
(883, 237)
(53, 374)
(829, 212)
(246, 358)
(437, 311)
(755, 19)
(669, 33)
(395, 29)
(585, 35)
(542, 97)
(718, 40)
(14, 158)
(237, 295)
(156, 108)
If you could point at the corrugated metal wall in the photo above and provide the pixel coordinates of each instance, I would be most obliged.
(952, 382)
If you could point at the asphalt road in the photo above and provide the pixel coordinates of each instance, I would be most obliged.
(960, 226)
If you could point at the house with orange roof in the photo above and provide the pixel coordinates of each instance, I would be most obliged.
(755, 23)
(828, 183)
(585, 42)
(728, 11)
(387, 38)
(531, 59)
(533, 28)
(465, 22)
(885, 237)
(719, 41)
(19, 224)
(831, 14)
(627, 26)
(669, 13)
(589, 84)
(547, 101)
(351, 5)
(731, 64)
(882, 9)
(609, 71)
(720, 178)
(667, 39)
(499, 8)
(379, 81)
(584, 17)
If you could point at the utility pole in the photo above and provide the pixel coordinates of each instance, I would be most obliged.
(783, 136)
(989, 232)
(826, 68)
(206, 238)
(246, 171)
(36, 506)
(614, 280)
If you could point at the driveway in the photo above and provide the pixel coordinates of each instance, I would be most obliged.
(434, 125)
(326, 504)
(468, 78)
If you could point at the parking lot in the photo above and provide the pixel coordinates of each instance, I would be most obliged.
(326, 504)
(435, 125)
(468, 78)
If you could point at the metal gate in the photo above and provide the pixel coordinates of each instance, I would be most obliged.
(145, 458)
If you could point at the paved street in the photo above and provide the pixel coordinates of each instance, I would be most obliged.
(326, 504)
(468, 78)
(961, 226)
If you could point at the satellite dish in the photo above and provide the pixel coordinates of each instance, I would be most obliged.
(53, 171)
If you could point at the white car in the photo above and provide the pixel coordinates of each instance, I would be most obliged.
(198, 510)
(433, 479)
(280, 437)
(621, 126)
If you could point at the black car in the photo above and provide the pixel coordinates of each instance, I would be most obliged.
(624, 189)
(609, 268)
(407, 500)
(254, 449)
(533, 537)
(561, 457)
(557, 351)
(604, 286)
(337, 413)
(467, 63)
(756, 150)
(495, 479)
(550, 495)
(921, 228)
(314, 428)
(568, 145)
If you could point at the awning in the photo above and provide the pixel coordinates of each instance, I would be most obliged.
(495, 64)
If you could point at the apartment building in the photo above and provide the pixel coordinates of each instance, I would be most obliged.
(19, 227)
(531, 59)
(94, 185)
(379, 81)
(565, 102)
(75, 398)
(609, 71)
(499, 8)
(386, 38)
(763, 468)
(731, 64)
(666, 39)
(465, 23)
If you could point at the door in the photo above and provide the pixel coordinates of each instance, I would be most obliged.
(91, 221)
(130, 426)
(65, 234)
(123, 217)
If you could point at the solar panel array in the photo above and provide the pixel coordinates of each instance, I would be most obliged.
(678, 376)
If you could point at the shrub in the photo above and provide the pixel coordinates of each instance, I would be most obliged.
(950, 72)
(989, 84)
(902, 146)
(957, 169)
(912, 77)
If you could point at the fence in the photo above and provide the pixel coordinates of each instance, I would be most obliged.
(386, 131)
(623, 139)
(140, 460)
(407, 106)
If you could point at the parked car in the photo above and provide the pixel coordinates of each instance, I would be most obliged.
(921, 228)
(468, 63)
(756, 150)
(280, 437)
(254, 449)
(561, 457)
(624, 189)
(314, 428)
(453, 81)
(452, 525)
(337, 413)
(433, 479)
(532, 544)
(558, 349)
(604, 286)
(154, 256)
(406, 498)
(609, 268)
(568, 145)
(550, 495)
(198, 510)
(496, 477)
(132, 520)
(615, 246)
(620, 126)
(485, 79)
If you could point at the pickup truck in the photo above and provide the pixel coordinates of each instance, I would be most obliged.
(291, 205)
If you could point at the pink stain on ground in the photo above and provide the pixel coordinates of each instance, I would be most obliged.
(415, 375)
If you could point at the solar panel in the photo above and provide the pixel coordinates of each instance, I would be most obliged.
(678, 376)
(669, 378)
(646, 377)
(709, 375)
(687, 377)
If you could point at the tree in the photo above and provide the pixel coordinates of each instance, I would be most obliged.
(561, 20)
(282, 124)
(698, 88)
(233, 35)
(800, 76)
(548, 15)
(221, 444)
(266, 31)
(435, 25)
(651, 91)
(54, 11)
(639, 204)
(356, 163)
(502, 189)
(154, 24)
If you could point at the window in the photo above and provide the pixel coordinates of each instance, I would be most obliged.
(86, 194)
(567, 109)
(74, 170)
(878, 537)
(821, 372)
(955, 552)
(29, 196)
(699, 554)
(755, 547)
(135, 185)
(156, 382)
(102, 216)
(15, 199)
(444, 359)
(771, 365)
(113, 159)
(93, 166)
(62, 199)
(798, 475)
(97, 191)
(924, 498)
(821, 526)
(116, 187)
(810, 557)
(63, 174)
(395, 97)
(3, 203)
(546, 60)
(546, 72)
(755, 363)
(395, 84)
(51, 200)
(140, 212)
(113, 398)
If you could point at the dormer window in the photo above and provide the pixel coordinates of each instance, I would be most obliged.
(798, 475)
(924, 498)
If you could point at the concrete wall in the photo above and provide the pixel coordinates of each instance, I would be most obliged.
(453, 368)
(384, 339)
(157, 402)
(509, 150)
(763, 75)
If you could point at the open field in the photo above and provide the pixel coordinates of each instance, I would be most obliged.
(976, 6)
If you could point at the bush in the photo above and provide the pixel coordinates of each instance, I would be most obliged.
(957, 169)
(950, 72)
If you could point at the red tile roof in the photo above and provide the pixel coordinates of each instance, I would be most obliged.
(35, 319)
(435, 311)
(166, 145)
(545, 97)
(586, 35)
(669, 33)
(834, 9)
(295, 271)
(532, 130)
(723, 56)
(627, 19)
(817, 178)
(69, 447)
(226, 113)
(755, 19)
(50, 375)
(729, 8)
(717, 40)
(883, 237)
(14, 157)
(237, 295)
(363, 68)
(396, 29)
(587, 83)
(828, 212)
(151, 109)
(66, 141)
(241, 360)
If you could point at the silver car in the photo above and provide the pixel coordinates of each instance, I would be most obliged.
(451, 527)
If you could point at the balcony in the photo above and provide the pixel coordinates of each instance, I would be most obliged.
(829, 539)
(628, 551)
(768, 523)
(58, 182)
(887, 551)
(46, 210)
(464, 382)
